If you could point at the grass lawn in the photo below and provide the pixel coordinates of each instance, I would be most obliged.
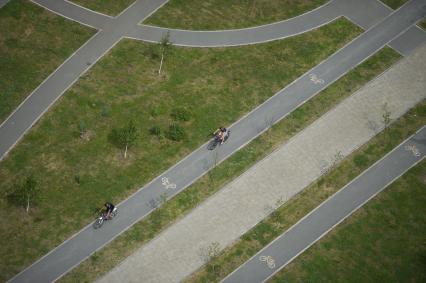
(33, 43)
(422, 24)
(76, 166)
(174, 209)
(225, 14)
(108, 7)
(293, 210)
(384, 241)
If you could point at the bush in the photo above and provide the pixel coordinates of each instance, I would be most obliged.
(176, 132)
(155, 131)
(181, 114)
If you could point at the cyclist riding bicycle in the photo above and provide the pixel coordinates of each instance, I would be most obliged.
(221, 134)
(109, 208)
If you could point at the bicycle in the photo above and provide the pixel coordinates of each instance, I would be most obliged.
(102, 217)
(216, 140)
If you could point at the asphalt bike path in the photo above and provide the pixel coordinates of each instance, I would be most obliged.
(80, 246)
(112, 29)
(333, 211)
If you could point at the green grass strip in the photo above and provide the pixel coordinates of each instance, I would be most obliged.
(225, 14)
(384, 241)
(33, 43)
(69, 151)
(293, 210)
(206, 186)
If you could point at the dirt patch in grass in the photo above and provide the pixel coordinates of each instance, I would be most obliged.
(101, 99)
(33, 43)
(225, 14)
(108, 7)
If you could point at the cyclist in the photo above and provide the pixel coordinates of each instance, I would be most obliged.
(221, 134)
(109, 208)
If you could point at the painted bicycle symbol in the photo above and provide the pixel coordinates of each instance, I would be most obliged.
(165, 181)
(314, 78)
(414, 150)
(269, 261)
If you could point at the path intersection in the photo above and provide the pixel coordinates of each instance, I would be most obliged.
(383, 27)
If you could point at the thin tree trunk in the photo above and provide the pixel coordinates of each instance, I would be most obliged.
(125, 152)
(161, 63)
(28, 203)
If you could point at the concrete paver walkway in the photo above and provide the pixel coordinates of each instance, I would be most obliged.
(80, 246)
(174, 254)
(330, 213)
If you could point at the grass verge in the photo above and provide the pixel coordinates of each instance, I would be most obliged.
(108, 7)
(77, 167)
(176, 208)
(33, 43)
(225, 14)
(381, 242)
(293, 210)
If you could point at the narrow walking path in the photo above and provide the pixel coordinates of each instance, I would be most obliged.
(40, 100)
(76, 13)
(330, 213)
(80, 246)
(224, 217)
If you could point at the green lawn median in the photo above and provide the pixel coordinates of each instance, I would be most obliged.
(384, 241)
(33, 43)
(75, 152)
(225, 14)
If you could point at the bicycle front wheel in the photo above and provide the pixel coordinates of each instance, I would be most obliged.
(98, 223)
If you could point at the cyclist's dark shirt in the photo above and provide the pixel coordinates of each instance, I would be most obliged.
(109, 206)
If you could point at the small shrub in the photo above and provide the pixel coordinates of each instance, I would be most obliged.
(176, 132)
(105, 111)
(181, 114)
(82, 127)
(155, 131)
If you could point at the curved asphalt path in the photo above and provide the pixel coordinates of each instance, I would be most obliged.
(80, 246)
(333, 211)
(111, 29)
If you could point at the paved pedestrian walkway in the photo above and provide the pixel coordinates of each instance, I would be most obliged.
(330, 213)
(223, 218)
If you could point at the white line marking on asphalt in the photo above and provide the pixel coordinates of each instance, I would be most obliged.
(413, 149)
(269, 261)
(166, 183)
(315, 79)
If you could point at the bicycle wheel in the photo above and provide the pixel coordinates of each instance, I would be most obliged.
(98, 223)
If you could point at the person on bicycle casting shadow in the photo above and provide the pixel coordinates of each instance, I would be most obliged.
(109, 208)
(221, 134)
